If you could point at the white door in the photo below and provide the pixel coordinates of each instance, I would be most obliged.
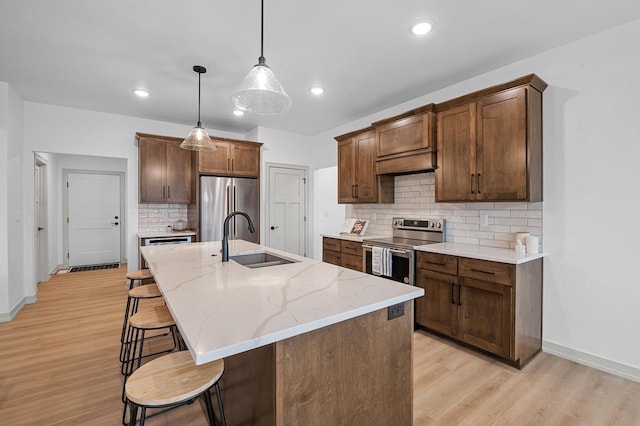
(94, 218)
(40, 216)
(286, 220)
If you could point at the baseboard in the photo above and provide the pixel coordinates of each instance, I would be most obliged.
(607, 365)
(9, 316)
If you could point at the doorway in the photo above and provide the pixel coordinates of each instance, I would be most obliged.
(93, 217)
(41, 219)
(287, 206)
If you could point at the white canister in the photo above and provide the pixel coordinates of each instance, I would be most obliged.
(522, 237)
(532, 244)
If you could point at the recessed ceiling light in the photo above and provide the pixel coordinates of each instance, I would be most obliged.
(421, 28)
(238, 113)
(317, 90)
(141, 93)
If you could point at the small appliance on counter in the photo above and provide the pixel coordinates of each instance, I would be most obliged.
(180, 225)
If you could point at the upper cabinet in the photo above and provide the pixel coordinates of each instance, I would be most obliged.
(489, 144)
(233, 158)
(357, 180)
(165, 170)
(405, 143)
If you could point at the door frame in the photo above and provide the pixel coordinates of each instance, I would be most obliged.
(65, 210)
(41, 217)
(267, 197)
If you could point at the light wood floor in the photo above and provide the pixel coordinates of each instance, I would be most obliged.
(59, 366)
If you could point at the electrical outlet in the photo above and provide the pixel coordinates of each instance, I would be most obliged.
(484, 219)
(395, 311)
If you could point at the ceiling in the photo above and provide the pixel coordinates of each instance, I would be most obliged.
(91, 55)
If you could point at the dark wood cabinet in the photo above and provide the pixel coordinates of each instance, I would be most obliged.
(232, 158)
(357, 180)
(489, 144)
(347, 254)
(165, 170)
(492, 306)
(405, 143)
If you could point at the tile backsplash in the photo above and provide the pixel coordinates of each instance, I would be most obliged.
(157, 217)
(415, 197)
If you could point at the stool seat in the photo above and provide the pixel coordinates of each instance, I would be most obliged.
(141, 274)
(146, 291)
(171, 379)
(152, 318)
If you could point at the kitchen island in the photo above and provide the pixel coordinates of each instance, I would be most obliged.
(304, 342)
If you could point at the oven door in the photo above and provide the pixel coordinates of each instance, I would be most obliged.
(401, 264)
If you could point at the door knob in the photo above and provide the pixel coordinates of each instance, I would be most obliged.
(114, 223)
(274, 227)
(40, 228)
(116, 217)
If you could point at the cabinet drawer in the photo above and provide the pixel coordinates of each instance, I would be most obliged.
(495, 272)
(438, 262)
(351, 247)
(331, 244)
(351, 261)
(330, 256)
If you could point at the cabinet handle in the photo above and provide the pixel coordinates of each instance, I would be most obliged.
(232, 164)
(356, 190)
(435, 263)
(472, 175)
(453, 302)
(168, 192)
(459, 295)
(163, 197)
(228, 164)
(353, 191)
(483, 272)
(478, 185)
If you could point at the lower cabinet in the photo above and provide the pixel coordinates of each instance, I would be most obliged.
(492, 306)
(347, 254)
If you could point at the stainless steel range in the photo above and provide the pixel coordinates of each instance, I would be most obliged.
(407, 234)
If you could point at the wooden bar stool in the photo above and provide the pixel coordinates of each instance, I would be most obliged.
(139, 275)
(173, 380)
(148, 319)
(147, 291)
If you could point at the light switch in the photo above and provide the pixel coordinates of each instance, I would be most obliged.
(484, 219)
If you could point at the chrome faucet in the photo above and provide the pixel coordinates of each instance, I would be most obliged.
(225, 235)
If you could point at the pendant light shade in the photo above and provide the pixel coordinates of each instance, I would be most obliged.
(198, 139)
(260, 92)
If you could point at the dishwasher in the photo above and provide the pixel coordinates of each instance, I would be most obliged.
(160, 241)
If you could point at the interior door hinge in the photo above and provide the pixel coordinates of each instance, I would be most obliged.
(67, 184)
(67, 255)
(304, 180)
(67, 220)
(305, 218)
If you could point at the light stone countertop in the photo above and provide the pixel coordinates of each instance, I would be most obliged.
(480, 252)
(358, 239)
(164, 234)
(223, 309)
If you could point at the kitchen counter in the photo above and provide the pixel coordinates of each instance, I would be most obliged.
(222, 309)
(355, 238)
(480, 252)
(300, 341)
(164, 234)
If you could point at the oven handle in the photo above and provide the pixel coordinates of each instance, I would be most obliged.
(392, 250)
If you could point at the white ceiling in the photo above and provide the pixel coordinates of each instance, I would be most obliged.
(91, 54)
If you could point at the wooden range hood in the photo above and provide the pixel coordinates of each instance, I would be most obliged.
(406, 143)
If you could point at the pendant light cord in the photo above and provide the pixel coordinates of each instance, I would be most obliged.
(262, 29)
(199, 75)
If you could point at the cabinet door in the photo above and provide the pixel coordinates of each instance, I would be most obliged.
(351, 261)
(438, 307)
(330, 256)
(216, 162)
(502, 146)
(401, 136)
(152, 171)
(346, 171)
(179, 174)
(245, 160)
(456, 174)
(484, 316)
(365, 175)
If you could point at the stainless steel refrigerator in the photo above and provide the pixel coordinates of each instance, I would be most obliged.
(220, 196)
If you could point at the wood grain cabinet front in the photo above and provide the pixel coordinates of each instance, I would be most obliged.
(232, 158)
(492, 306)
(357, 180)
(164, 169)
(489, 144)
(347, 254)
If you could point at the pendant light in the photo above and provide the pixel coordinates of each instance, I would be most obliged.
(260, 91)
(198, 139)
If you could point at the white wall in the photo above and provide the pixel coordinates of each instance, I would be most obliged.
(591, 195)
(4, 209)
(329, 215)
(62, 130)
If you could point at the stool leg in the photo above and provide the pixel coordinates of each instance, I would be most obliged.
(143, 414)
(133, 413)
(207, 402)
(219, 397)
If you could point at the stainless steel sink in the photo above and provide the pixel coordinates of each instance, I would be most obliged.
(260, 260)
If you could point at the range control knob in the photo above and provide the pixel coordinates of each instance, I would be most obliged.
(439, 225)
(432, 224)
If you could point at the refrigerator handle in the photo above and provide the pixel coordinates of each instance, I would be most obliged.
(235, 207)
